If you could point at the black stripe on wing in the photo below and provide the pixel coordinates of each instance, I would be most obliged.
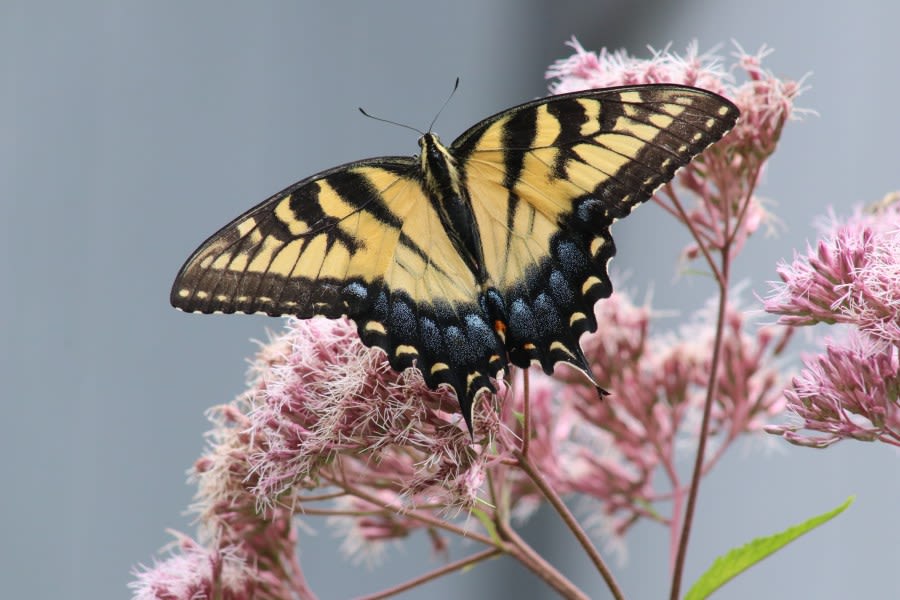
(289, 254)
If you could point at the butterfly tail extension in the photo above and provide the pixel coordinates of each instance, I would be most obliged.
(476, 385)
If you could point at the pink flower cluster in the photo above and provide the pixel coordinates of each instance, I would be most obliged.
(328, 397)
(723, 179)
(242, 553)
(197, 572)
(724, 213)
(851, 277)
(329, 420)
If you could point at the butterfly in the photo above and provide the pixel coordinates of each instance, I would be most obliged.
(471, 257)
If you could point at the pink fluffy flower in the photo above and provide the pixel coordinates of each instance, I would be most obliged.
(849, 391)
(243, 553)
(329, 397)
(586, 70)
(852, 276)
(198, 571)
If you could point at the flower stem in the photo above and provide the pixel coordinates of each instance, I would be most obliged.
(678, 567)
(685, 219)
(511, 543)
(524, 553)
(572, 523)
(411, 513)
(431, 575)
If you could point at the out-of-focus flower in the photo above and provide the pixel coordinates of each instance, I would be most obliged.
(586, 70)
(366, 529)
(852, 276)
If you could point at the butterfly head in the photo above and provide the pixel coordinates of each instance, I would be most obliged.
(434, 156)
(429, 140)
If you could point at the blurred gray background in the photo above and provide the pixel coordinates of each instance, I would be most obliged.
(130, 131)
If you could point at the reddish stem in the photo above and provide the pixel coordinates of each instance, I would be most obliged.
(524, 553)
(572, 523)
(518, 548)
(412, 513)
(722, 279)
(431, 575)
(670, 191)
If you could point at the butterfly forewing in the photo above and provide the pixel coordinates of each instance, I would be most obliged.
(309, 250)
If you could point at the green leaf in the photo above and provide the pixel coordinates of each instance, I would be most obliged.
(740, 559)
(519, 416)
(488, 525)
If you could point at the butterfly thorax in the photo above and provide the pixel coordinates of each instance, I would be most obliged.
(443, 184)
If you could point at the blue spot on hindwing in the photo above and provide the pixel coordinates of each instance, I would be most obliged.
(588, 210)
(380, 306)
(560, 289)
(572, 260)
(431, 337)
(480, 334)
(456, 344)
(546, 313)
(521, 319)
(356, 290)
(402, 319)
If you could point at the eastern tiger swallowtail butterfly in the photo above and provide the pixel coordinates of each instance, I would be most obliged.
(470, 257)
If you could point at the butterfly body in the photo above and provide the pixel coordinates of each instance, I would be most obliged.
(470, 257)
(450, 200)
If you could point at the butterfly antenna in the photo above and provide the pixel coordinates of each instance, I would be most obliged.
(391, 122)
(446, 102)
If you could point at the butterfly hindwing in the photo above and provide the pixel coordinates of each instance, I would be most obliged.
(548, 178)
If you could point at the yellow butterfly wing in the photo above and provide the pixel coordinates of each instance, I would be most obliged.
(548, 178)
(360, 240)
